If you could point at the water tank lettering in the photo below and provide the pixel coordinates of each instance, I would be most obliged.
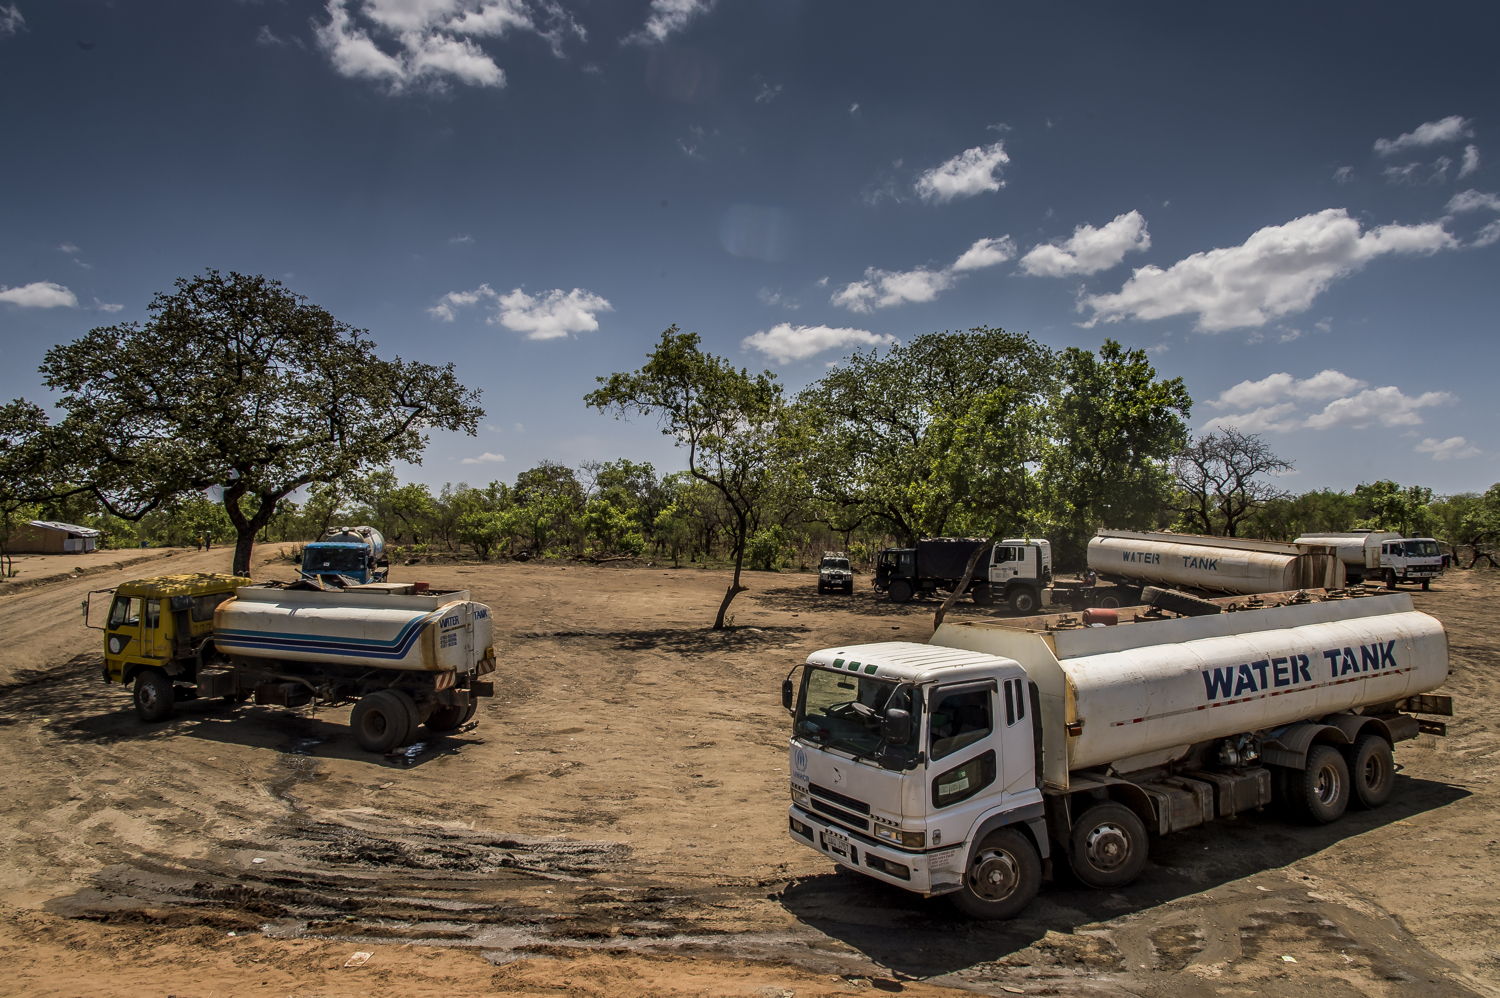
(1370, 658)
(1201, 564)
(1253, 677)
(1142, 557)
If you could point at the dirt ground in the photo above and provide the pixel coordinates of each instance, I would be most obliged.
(614, 824)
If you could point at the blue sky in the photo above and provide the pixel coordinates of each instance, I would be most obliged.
(1294, 207)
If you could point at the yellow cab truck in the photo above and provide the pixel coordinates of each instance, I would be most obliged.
(405, 655)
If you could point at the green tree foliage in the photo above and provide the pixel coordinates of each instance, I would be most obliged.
(238, 383)
(910, 437)
(1113, 426)
(1222, 478)
(1385, 505)
(728, 419)
(547, 507)
(1287, 517)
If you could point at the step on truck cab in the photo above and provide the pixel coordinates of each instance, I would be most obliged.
(968, 765)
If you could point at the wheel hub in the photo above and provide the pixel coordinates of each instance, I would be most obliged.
(1107, 847)
(995, 876)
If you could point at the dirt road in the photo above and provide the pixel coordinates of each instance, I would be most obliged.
(614, 824)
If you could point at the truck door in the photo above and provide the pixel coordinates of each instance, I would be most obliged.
(1002, 565)
(122, 634)
(962, 758)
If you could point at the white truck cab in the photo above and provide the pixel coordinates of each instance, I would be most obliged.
(916, 748)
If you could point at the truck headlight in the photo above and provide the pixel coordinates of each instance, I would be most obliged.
(907, 840)
(800, 797)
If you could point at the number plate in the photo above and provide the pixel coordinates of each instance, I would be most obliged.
(836, 844)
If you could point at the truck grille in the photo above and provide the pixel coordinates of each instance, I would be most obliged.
(847, 810)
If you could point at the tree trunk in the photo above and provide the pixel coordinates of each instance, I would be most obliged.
(974, 556)
(244, 544)
(734, 586)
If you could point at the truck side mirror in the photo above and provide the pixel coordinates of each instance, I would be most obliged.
(786, 694)
(895, 725)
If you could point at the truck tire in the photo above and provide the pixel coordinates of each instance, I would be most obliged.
(154, 697)
(448, 718)
(1002, 878)
(382, 720)
(1024, 600)
(1108, 846)
(1320, 791)
(1426, 584)
(1109, 601)
(982, 594)
(1390, 578)
(1372, 771)
(849, 588)
(901, 591)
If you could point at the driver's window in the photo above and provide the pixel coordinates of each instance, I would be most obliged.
(959, 719)
(1002, 554)
(125, 611)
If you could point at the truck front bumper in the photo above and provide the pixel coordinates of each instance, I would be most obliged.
(925, 873)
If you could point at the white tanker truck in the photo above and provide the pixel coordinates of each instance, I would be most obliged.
(406, 655)
(1383, 555)
(963, 766)
(1238, 565)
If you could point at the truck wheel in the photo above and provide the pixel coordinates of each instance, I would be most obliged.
(1426, 584)
(849, 588)
(1023, 600)
(382, 720)
(901, 591)
(153, 695)
(1320, 791)
(1107, 847)
(1390, 578)
(1109, 602)
(448, 718)
(982, 594)
(1004, 875)
(1372, 771)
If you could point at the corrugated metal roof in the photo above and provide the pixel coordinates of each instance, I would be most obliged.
(69, 528)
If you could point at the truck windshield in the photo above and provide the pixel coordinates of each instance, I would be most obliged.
(1422, 549)
(840, 710)
(840, 564)
(322, 559)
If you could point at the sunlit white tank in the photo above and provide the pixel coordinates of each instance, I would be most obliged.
(1142, 693)
(1215, 564)
(381, 626)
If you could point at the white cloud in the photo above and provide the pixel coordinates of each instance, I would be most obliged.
(785, 343)
(1431, 133)
(1387, 406)
(988, 252)
(1419, 174)
(776, 298)
(971, 172)
(1470, 163)
(1343, 175)
(854, 108)
(1279, 270)
(488, 457)
(1449, 449)
(1487, 236)
(767, 93)
(884, 288)
(39, 294)
(107, 306)
(1327, 384)
(67, 248)
(1277, 418)
(447, 306)
(462, 239)
(667, 17)
(1472, 200)
(403, 44)
(1090, 250)
(11, 20)
(552, 315)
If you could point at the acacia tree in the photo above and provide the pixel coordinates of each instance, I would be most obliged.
(1113, 427)
(728, 419)
(881, 427)
(1219, 479)
(237, 383)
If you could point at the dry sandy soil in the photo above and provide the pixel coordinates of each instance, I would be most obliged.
(614, 824)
